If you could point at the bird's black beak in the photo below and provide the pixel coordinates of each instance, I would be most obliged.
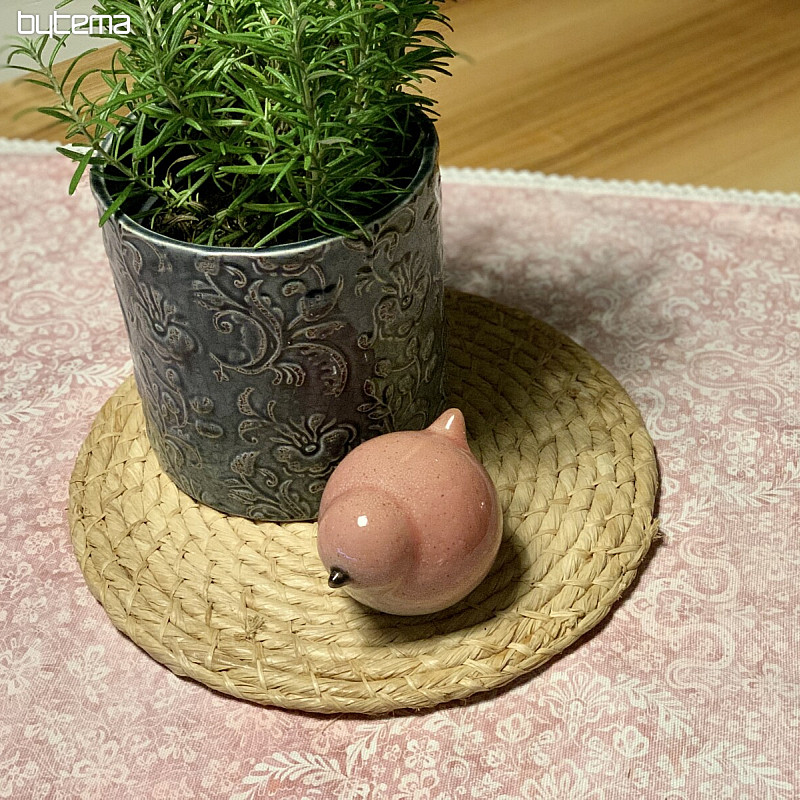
(337, 578)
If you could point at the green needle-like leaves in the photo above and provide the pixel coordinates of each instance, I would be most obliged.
(250, 122)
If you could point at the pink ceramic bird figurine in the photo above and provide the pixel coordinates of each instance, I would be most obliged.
(410, 522)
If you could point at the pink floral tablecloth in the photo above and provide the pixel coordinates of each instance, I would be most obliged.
(691, 689)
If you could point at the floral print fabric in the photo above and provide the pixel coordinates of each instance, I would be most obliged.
(691, 689)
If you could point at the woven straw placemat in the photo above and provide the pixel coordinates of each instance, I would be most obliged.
(244, 607)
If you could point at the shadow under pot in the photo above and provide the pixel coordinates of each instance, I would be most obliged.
(260, 369)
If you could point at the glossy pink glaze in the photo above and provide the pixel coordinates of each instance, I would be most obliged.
(413, 518)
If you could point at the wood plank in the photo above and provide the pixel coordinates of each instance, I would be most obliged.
(19, 99)
(685, 92)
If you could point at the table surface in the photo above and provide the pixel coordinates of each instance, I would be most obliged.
(692, 688)
(686, 92)
(689, 690)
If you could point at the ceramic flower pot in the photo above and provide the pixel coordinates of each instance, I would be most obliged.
(260, 369)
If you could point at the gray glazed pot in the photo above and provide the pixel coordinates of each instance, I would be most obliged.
(260, 369)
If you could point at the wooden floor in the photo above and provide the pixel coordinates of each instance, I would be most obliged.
(686, 91)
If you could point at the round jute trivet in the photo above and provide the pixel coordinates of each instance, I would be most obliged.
(244, 607)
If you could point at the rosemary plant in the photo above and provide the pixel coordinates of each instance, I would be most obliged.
(246, 122)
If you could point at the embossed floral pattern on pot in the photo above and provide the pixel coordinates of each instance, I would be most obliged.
(260, 369)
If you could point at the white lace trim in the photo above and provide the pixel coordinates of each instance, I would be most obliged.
(25, 146)
(29, 147)
(537, 180)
